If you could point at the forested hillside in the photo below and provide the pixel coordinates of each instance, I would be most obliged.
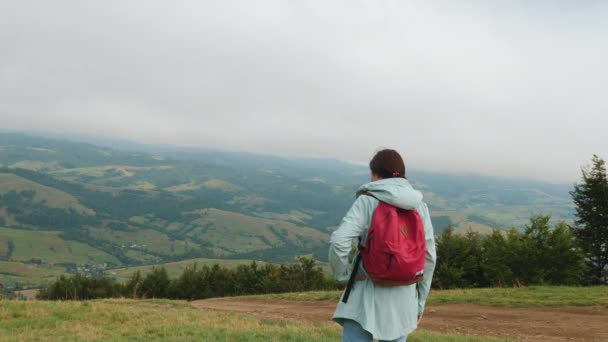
(67, 205)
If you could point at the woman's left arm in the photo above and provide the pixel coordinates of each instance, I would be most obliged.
(424, 287)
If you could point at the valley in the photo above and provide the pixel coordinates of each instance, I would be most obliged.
(70, 206)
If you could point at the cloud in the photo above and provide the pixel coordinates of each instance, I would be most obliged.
(511, 88)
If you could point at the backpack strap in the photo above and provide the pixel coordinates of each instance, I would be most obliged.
(367, 193)
(351, 280)
(353, 274)
(361, 245)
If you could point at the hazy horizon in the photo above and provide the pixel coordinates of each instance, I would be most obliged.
(507, 89)
(124, 144)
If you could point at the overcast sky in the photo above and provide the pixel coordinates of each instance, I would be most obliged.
(516, 88)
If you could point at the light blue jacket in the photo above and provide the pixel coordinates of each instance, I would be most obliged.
(387, 313)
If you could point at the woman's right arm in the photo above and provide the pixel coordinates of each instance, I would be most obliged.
(353, 224)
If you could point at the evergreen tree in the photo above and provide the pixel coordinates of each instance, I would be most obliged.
(189, 284)
(591, 229)
(156, 284)
(497, 259)
(536, 250)
(458, 260)
(311, 275)
(566, 264)
(133, 286)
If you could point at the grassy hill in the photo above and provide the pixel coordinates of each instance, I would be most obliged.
(48, 246)
(248, 233)
(50, 197)
(70, 204)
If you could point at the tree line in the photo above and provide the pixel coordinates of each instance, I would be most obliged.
(560, 255)
(539, 255)
(196, 282)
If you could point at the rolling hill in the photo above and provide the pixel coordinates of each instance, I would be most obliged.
(72, 205)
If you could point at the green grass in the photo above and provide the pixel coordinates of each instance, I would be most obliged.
(427, 336)
(533, 296)
(159, 320)
(49, 247)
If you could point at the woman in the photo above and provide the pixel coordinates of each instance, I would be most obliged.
(373, 311)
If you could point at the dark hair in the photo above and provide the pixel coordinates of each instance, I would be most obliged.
(388, 164)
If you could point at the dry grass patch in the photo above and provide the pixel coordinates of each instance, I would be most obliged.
(292, 216)
(184, 187)
(144, 321)
(142, 185)
(36, 165)
(219, 184)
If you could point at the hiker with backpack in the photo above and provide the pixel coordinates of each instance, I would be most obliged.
(394, 259)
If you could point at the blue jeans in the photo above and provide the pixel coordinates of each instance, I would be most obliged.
(353, 332)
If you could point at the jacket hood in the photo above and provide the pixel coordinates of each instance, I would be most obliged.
(394, 191)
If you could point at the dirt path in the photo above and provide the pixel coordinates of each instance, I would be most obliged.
(529, 324)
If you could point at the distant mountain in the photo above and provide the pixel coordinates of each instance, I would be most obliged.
(100, 207)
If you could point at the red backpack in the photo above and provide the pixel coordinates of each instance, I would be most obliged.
(395, 248)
